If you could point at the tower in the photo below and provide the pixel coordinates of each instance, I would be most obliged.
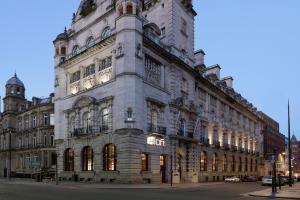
(175, 18)
(13, 100)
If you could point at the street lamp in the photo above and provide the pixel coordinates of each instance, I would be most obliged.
(9, 175)
(274, 184)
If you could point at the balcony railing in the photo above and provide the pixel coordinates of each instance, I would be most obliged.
(157, 129)
(185, 134)
(204, 141)
(77, 132)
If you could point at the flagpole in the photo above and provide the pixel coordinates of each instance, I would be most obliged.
(290, 150)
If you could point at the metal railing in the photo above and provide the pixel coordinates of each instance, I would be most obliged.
(152, 128)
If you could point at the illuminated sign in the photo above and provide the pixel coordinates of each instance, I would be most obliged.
(151, 140)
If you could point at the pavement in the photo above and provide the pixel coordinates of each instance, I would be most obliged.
(93, 185)
(30, 190)
(286, 192)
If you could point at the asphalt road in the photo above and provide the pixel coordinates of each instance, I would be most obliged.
(223, 191)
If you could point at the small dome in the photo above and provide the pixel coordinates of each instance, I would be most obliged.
(15, 81)
(62, 36)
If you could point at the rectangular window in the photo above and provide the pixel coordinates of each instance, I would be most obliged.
(152, 70)
(144, 162)
(52, 119)
(105, 63)
(34, 121)
(75, 77)
(163, 32)
(46, 119)
(45, 139)
(90, 70)
(52, 140)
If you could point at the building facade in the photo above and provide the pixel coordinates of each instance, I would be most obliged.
(274, 144)
(295, 147)
(26, 133)
(135, 103)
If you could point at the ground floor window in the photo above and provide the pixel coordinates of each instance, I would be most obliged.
(224, 163)
(109, 157)
(144, 162)
(246, 164)
(69, 160)
(87, 159)
(214, 162)
(240, 164)
(203, 161)
(233, 164)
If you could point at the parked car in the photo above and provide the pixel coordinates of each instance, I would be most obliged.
(232, 179)
(285, 180)
(266, 180)
(249, 179)
(298, 179)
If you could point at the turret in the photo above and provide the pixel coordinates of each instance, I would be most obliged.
(60, 45)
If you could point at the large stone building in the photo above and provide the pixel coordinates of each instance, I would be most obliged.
(274, 144)
(135, 103)
(26, 133)
(295, 147)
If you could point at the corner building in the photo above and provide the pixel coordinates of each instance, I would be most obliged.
(135, 103)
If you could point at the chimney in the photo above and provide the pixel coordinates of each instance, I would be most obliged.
(213, 70)
(229, 81)
(199, 57)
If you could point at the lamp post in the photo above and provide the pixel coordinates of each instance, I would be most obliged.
(290, 150)
(274, 183)
(9, 175)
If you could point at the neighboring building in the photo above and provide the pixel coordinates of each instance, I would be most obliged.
(133, 101)
(26, 133)
(273, 141)
(295, 147)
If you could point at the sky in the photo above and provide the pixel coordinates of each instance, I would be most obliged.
(256, 42)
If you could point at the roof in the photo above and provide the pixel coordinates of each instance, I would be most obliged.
(15, 81)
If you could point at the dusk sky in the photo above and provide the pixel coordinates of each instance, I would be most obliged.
(256, 42)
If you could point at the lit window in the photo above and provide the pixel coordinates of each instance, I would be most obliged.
(214, 162)
(69, 160)
(87, 159)
(109, 157)
(144, 162)
(203, 161)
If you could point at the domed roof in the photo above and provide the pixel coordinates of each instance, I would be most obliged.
(15, 81)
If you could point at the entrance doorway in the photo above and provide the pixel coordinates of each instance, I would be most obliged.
(163, 168)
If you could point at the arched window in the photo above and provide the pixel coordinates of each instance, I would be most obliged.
(104, 119)
(233, 167)
(105, 33)
(203, 161)
(89, 42)
(214, 162)
(69, 160)
(120, 10)
(154, 119)
(86, 122)
(224, 163)
(182, 127)
(129, 9)
(72, 124)
(63, 51)
(256, 165)
(240, 164)
(109, 157)
(87, 159)
(75, 50)
(246, 164)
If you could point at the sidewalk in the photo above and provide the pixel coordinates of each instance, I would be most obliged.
(285, 192)
(93, 185)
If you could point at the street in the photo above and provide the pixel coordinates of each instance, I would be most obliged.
(31, 191)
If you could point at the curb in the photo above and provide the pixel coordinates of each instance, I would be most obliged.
(264, 196)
